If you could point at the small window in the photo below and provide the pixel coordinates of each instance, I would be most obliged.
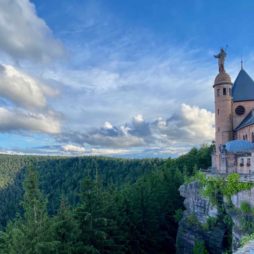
(218, 92)
(241, 162)
(224, 91)
(248, 162)
(218, 111)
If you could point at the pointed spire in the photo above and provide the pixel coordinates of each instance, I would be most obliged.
(241, 63)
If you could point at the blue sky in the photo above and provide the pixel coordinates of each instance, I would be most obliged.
(119, 78)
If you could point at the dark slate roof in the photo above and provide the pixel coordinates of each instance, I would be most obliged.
(235, 146)
(248, 120)
(243, 88)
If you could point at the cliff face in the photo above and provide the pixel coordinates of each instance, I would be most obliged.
(243, 218)
(195, 227)
(203, 222)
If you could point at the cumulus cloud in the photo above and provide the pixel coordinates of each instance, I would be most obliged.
(23, 35)
(25, 121)
(23, 89)
(190, 125)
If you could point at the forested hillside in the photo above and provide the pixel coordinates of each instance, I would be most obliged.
(93, 205)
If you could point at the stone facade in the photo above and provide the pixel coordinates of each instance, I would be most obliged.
(234, 120)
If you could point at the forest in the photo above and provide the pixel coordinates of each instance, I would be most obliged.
(93, 205)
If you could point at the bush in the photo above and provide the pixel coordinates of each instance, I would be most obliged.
(245, 207)
(199, 247)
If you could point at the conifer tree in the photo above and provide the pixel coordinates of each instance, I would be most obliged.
(31, 234)
(66, 230)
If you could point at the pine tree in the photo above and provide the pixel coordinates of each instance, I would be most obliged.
(66, 230)
(94, 224)
(31, 234)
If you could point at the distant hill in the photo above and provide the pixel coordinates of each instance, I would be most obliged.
(62, 176)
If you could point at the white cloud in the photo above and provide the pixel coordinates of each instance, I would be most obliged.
(74, 148)
(139, 118)
(25, 121)
(23, 89)
(189, 126)
(95, 151)
(23, 35)
(107, 125)
(199, 122)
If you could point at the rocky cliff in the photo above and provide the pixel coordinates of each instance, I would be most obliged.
(220, 228)
(199, 223)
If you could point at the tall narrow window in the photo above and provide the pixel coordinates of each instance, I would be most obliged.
(218, 111)
(241, 162)
(252, 137)
(218, 92)
(248, 162)
(224, 91)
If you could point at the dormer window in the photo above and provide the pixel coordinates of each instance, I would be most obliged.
(224, 91)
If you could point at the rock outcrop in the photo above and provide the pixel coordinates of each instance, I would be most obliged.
(194, 225)
(204, 222)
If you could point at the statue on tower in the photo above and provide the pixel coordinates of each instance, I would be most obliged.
(221, 59)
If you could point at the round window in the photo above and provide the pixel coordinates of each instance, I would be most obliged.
(240, 110)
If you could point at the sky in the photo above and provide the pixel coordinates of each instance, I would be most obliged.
(115, 78)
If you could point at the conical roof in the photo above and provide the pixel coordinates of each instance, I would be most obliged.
(243, 88)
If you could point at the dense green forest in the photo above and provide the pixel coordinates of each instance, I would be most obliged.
(92, 204)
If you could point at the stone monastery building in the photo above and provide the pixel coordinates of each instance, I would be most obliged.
(234, 121)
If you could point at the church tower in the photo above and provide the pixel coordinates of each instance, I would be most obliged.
(223, 108)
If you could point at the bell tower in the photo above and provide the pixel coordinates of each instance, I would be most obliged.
(223, 109)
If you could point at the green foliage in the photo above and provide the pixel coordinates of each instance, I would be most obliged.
(178, 215)
(193, 220)
(247, 238)
(233, 185)
(210, 223)
(215, 187)
(199, 248)
(31, 234)
(245, 207)
(95, 205)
